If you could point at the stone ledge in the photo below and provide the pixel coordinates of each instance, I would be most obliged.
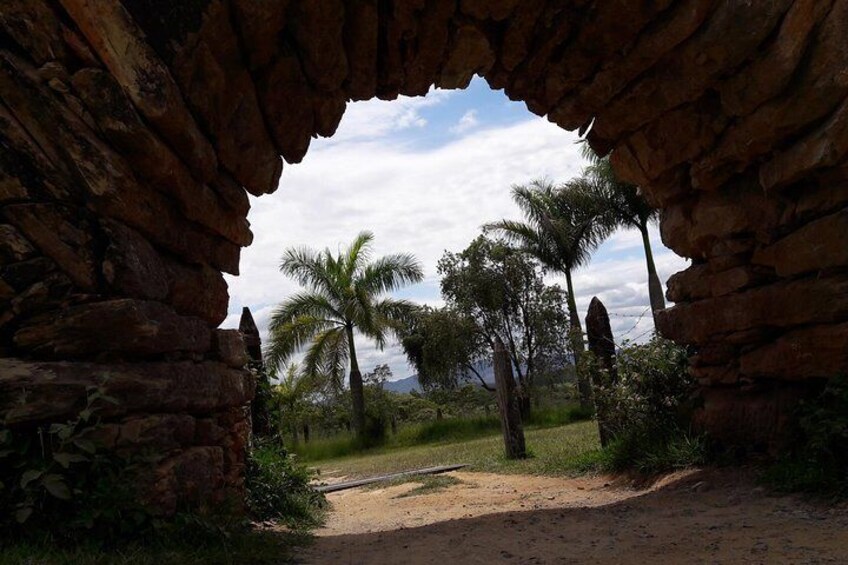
(123, 327)
(33, 392)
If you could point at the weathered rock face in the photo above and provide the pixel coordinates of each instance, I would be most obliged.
(131, 132)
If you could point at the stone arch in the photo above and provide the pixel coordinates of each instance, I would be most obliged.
(131, 130)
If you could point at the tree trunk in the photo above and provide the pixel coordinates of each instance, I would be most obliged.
(357, 394)
(655, 291)
(526, 408)
(305, 432)
(602, 346)
(576, 340)
(508, 404)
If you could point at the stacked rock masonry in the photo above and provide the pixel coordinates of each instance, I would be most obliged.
(131, 132)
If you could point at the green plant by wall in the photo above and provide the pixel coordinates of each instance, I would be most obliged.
(278, 488)
(648, 408)
(58, 480)
(817, 459)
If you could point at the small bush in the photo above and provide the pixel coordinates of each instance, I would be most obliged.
(278, 488)
(57, 481)
(59, 485)
(646, 410)
(817, 460)
(652, 390)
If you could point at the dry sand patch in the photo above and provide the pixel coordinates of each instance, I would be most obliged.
(699, 516)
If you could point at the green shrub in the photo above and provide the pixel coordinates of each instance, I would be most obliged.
(646, 409)
(58, 484)
(652, 390)
(817, 459)
(58, 481)
(278, 488)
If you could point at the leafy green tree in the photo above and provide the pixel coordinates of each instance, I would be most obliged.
(381, 406)
(291, 398)
(561, 234)
(618, 204)
(445, 347)
(344, 296)
(502, 291)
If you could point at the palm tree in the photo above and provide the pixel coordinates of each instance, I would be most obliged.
(618, 204)
(290, 394)
(344, 296)
(562, 236)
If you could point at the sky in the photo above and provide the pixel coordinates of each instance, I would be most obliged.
(424, 174)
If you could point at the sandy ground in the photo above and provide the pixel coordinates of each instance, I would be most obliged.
(689, 517)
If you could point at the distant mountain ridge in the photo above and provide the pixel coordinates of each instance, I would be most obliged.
(403, 385)
(410, 383)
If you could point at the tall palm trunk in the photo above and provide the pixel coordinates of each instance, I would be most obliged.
(356, 391)
(655, 291)
(577, 347)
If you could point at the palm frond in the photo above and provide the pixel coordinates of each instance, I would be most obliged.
(389, 273)
(529, 239)
(310, 268)
(289, 337)
(327, 356)
(358, 253)
(393, 315)
(311, 304)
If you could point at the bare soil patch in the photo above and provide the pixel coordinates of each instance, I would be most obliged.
(701, 516)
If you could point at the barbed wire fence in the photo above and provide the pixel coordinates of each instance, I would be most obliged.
(639, 318)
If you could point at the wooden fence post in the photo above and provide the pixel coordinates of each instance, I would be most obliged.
(508, 404)
(602, 347)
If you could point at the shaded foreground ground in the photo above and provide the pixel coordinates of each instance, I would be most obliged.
(690, 517)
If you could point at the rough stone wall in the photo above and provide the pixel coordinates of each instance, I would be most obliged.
(131, 132)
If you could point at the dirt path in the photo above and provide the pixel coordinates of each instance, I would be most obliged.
(692, 517)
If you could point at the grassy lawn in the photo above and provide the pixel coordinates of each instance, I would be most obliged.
(555, 451)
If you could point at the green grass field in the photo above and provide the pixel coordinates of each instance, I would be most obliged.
(554, 451)
(449, 430)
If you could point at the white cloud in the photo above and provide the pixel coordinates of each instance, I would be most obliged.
(376, 119)
(466, 122)
(422, 201)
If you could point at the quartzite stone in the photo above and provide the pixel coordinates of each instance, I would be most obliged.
(121, 45)
(361, 33)
(658, 40)
(780, 306)
(208, 66)
(807, 353)
(154, 160)
(817, 245)
(129, 130)
(124, 327)
(229, 347)
(819, 87)
(32, 391)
